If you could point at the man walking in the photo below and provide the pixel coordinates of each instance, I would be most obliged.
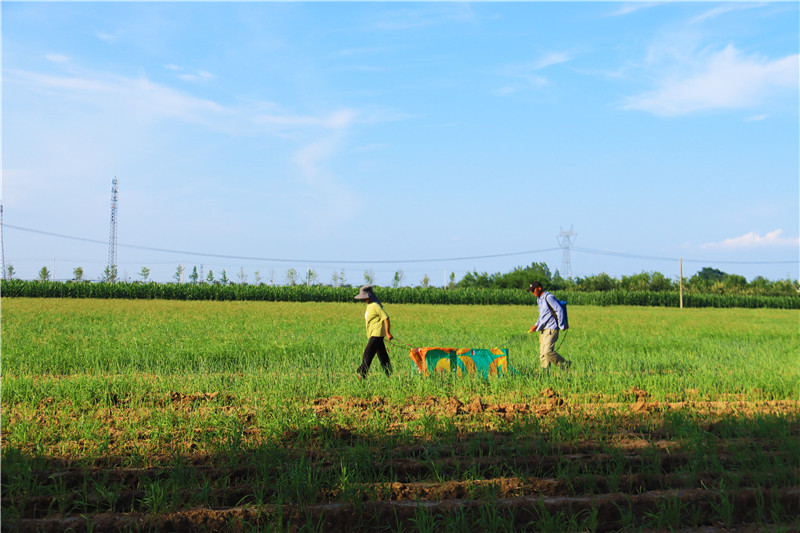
(552, 319)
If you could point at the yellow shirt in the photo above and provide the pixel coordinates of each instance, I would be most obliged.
(375, 317)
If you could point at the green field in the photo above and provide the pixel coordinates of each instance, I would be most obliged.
(151, 413)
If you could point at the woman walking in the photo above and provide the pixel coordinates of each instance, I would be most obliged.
(378, 327)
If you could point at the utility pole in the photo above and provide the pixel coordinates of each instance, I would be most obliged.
(112, 236)
(681, 275)
(566, 239)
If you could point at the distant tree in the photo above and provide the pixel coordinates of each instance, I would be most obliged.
(518, 278)
(223, 279)
(660, 282)
(452, 284)
(369, 277)
(521, 277)
(44, 274)
(600, 282)
(78, 273)
(711, 274)
(475, 279)
(398, 279)
(257, 277)
(311, 278)
(10, 271)
(144, 273)
(178, 275)
(558, 283)
(110, 274)
(210, 277)
(194, 276)
(426, 281)
(242, 276)
(291, 277)
(734, 283)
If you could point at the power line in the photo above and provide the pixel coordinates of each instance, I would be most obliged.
(657, 258)
(282, 260)
(372, 261)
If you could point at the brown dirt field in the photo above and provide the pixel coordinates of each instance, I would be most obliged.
(630, 475)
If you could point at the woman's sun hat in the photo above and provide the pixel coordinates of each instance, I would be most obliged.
(364, 293)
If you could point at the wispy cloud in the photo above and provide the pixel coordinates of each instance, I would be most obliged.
(107, 37)
(200, 75)
(139, 108)
(719, 80)
(424, 15)
(141, 97)
(552, 58)
(337, 120)
(144, 101)
(57, 58)
(721, 10)
(754, 240)
(527, 75)
(631, 7)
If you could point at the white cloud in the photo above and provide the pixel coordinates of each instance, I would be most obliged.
(107, 37)
(201, 75)
(140, 100)
(553, 58)
(754, 240)
(336, 120)
(57, 58)
(720, 10)
(423, 15)
(527, 74)
(139, 97)
(721, 80)
(631, 7)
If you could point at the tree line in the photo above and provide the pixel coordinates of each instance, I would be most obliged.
(708, 280)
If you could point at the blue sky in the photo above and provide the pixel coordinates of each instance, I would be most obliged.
(427, 138)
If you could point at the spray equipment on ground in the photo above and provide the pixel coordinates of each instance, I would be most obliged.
(462, 361)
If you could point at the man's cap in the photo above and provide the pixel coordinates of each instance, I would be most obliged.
(534, 285)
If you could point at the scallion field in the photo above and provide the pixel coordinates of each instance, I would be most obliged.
(131, 415)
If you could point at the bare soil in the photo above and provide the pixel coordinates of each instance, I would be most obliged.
(610, 484)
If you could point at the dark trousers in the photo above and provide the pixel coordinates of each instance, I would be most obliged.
(375, 346)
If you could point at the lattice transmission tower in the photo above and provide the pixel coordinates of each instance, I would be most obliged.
(112, 235)
(2, 248)
(566, 239)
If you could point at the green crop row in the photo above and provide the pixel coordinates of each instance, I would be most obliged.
(405, 295)
(144, 410)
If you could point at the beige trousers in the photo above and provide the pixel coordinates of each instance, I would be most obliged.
(547, 348)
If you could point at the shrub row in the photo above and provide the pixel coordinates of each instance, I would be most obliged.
(320, 293)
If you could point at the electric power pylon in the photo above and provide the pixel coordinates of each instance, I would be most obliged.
(112, 237)
(566, 239)
(2, 248)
